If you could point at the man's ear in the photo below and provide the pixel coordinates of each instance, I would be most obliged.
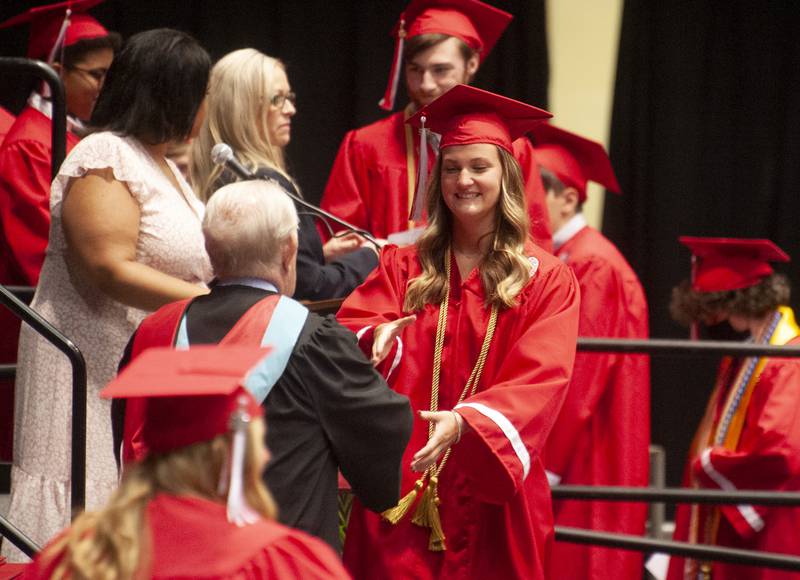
(472, 67)
(289, 253)
(571, 199)
(58, 67)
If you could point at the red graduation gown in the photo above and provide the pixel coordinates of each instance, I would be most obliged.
(192, 538)
(602, 434)
(368, 184)
(24, 230)
(495, 500)
(767, 457)
(6, 120)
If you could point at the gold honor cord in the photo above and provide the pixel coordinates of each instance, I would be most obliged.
(427, 512)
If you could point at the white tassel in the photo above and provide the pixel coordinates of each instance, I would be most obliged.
(58, 46)
(239, 513)
(387, 101)
(420, 196)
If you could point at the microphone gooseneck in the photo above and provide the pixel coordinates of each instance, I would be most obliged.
(222, 154)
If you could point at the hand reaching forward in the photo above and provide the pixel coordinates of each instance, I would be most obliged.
(384, 337)
(447, 430)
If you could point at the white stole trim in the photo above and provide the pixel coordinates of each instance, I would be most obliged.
(508, 430)
(748, 511)
(552, 478)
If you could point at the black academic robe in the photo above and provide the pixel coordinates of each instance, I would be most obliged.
(329, 410)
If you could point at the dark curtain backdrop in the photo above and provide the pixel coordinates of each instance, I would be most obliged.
(705, 141)
(337, 52)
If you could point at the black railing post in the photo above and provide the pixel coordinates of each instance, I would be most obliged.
(10, 532)
(65, 345)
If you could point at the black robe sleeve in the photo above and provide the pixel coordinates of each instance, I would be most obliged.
(368, 424)
(317, 280)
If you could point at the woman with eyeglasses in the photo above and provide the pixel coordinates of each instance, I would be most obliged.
(81, 58)
(250, 107)
(126, 239)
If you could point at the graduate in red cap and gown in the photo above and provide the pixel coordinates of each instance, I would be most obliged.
(477, 326)
(195, 506)
(602, 434)
(439, 43)
(80, 50)
(749, 437)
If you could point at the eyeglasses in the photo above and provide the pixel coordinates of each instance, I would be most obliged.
(97, 74)
(279, 100)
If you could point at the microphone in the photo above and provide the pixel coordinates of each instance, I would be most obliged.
(222, 154)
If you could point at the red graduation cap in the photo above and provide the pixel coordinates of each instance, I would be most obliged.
(191, 394)
(466, 115)
(731, 263)
(575, 160)
(477, 24)
(55, 26)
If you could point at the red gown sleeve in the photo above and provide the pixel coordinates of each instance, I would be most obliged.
(347, 185)
(25, 206)
(379, 299)
(510, 420)
(768, 456)
(535, 194)
(600, 316)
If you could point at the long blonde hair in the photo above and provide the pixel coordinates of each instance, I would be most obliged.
(505, 270)
(114, 543)
(240, 90)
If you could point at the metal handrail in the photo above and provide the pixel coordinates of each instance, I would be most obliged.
(674, 495)
(665, 346)
(65, 345)
(20, 540)
(46, 73)
(694, 551)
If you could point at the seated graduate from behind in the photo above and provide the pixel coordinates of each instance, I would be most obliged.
(327, 407)
(195, 505)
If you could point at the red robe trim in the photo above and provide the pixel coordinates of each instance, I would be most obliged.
(160, 329)
(602, 434)
(192, 538)
(368, 184)
(767, 457)
(495, 500)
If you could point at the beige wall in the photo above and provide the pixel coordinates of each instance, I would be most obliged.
(582, 40)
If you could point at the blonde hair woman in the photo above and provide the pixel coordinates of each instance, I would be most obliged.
(251, 107)
(196, 506)
(477, 326)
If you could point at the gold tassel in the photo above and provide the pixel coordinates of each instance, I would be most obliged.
(422, 516)
(436, 542)
(398, 512)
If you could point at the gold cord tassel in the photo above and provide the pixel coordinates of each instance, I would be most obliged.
(436, 542)
(398, 512)
(422, 516)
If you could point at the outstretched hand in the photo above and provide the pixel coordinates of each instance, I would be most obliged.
(447, 426)
(384, 337)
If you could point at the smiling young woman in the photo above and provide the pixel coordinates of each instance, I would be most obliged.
(477, 326)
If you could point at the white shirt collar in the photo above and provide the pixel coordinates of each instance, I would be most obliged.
(252, 282)
(568, 230)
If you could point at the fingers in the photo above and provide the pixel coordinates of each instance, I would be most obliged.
(401, 323)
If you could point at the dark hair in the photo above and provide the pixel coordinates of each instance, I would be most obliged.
(422, 42)
(554, 184)
(154, 87)
(75, 53)
(688, 305)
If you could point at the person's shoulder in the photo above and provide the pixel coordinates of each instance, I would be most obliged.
(377, 131)
(591, 251)
(29, 126)
(306, 556)
(542, 262)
